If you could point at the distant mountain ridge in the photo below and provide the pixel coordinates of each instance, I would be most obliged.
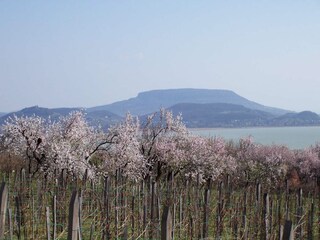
(53, 113)
(103, 118)
(200, 108)
(213, 115)
(219, 115)
(305, 118)
(151, 101)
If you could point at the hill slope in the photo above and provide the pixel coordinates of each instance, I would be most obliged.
(232, 115)
(95, 118)
(305, 118)
(220, 115)
(53, 113)
(151, 101)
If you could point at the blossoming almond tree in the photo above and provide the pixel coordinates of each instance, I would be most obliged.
(307, 162)
(27, 137)
(158, 128)
(268, 164)
(48, 146)
(139, 151)
(207, 159)
(171, 152)
(72, 144)
(272, 163)
(123, 149)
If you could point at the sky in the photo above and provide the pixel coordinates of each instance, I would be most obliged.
(90, 53)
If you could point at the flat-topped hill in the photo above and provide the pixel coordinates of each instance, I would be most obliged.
(151, 101)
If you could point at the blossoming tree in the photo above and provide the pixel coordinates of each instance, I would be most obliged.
(48, 146)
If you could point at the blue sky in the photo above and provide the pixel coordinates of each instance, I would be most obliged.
(88, 53)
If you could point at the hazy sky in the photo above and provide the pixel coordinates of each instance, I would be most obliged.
(88, 53)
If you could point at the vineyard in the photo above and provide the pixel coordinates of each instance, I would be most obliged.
(116, 208)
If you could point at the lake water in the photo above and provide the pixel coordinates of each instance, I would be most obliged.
(293, 137)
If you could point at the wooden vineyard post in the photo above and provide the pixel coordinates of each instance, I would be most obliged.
(158, 210)
(271, 215)
(61, 198)
(106, 229)
(181, 214)
(287, 200)
(18, 216)
(235, 221)
(173, 190)
(266, 213)
(310, 221)
(170, 195)
(244, 214)
(10, 223)
(190, 216)
(166, 224)
(73, 225)
(144, 206)
(279, 213)
(80, 213)
(116, 210)
(122, 203)
(3, 207)
(132, 213)
(219, 211)
(299, 213)
(152, 209)
(206, 210)
(288, 231)
(54, 217)
(197, 225)
(257, 210)
(48, 223)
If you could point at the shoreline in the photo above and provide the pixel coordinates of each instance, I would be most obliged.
(253, 127)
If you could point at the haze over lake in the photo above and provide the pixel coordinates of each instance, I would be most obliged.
(293, 137)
